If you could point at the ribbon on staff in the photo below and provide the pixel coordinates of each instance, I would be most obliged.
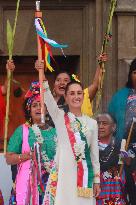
(46, 43)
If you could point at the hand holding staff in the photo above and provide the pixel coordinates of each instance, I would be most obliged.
(38, 14)
(10, 43)
(103, 50)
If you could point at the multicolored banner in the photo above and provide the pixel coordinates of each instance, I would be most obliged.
(46, 43)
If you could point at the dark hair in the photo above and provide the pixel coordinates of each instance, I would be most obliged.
(60, 72)
(129, 83)
(72, 83)
(27, 112)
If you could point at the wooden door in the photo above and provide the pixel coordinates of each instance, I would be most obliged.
(25, 74)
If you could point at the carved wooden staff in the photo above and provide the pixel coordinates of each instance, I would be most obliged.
(38, 14)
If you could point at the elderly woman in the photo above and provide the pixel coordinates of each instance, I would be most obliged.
(32, 148)
(77, 157)
(112, 184)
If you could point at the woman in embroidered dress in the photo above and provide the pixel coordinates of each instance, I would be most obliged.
(32, 148)
(77, 157)
(112, 185)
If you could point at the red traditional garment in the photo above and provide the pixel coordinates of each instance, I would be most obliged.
(1, 199)
(2, 112)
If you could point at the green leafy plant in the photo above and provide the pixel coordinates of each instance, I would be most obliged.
(10, 43)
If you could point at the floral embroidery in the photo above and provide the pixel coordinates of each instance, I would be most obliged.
(47, 163)
(75, 126)
(37, 133)
(79, 149)
(50, 192)
(77, 137)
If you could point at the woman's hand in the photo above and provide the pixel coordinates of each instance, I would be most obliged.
(13, 158)
(96, 189)
(26, 156)
(103, 57)
(10, 65)
(39, 65)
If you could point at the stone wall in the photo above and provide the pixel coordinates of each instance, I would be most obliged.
(80, 24)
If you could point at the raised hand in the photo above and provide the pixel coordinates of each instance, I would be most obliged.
(96, 189)
(10, 65)
(39, 65)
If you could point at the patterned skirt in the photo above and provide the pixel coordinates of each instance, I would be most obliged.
(44, 179)
(112, 189)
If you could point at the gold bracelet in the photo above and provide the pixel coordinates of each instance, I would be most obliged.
(20, 158)
(30, 155)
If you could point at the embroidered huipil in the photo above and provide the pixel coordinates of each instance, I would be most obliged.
(47, 153)
(66, 192)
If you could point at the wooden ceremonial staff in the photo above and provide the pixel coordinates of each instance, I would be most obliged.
(10, 43)
(103, 50)
(38, 14)
(127, 143)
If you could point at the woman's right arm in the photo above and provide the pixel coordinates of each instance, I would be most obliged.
(14, 151)
(50, 102)
(13, 158)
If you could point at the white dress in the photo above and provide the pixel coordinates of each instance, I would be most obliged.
(66, 193)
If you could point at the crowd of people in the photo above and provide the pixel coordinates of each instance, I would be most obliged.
(72, 158)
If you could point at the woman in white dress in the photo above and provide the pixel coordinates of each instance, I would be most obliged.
(77, 157)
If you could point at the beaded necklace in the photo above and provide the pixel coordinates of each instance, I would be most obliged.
(106, 156)
(47, 163)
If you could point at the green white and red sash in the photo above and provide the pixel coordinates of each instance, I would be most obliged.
(81, 151)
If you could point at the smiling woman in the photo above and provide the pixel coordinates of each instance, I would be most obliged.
(77, 158)
(32, 144)
(74, 96)
(61, 81)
